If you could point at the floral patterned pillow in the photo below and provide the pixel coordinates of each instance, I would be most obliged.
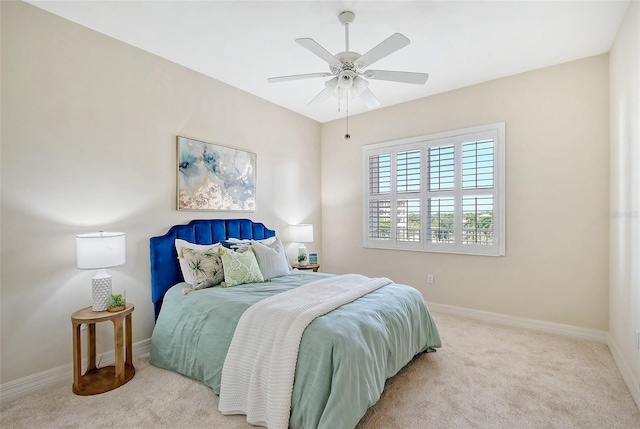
(205, 267)
(239, 268)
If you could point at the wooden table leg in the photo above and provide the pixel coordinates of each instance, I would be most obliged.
(119, 349)
(77, 356)
(91, 346)
(128, 323)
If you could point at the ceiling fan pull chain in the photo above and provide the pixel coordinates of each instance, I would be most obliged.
(347, 136)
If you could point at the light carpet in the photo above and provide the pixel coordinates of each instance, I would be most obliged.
(484, 376)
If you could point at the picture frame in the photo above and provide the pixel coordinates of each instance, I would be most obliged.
(313, 258)
(214, 177)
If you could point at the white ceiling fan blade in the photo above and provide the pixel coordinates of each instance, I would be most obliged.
(386, 47)
(329, 88)
(398, 76)
(315, 48)
(369, 99)
(297, 76)
(322, 96)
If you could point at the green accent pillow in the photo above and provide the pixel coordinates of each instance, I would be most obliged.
(205, 267)
(239, 268)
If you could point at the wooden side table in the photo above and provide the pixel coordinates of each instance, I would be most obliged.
(100, 380)
(314, 267)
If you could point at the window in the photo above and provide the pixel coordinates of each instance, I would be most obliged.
(437, 193)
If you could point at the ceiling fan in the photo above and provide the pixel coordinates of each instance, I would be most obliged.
(349, 69)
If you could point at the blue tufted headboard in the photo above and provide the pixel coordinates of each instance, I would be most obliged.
(165, 269)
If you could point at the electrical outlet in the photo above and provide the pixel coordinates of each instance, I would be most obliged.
(83, 327)
(430, 279)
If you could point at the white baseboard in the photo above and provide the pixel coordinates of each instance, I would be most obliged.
(592, 335)
(63, 373)
(632, 383)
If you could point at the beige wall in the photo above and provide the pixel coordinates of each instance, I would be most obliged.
(557, 159)
(624, 294)
(88, 143)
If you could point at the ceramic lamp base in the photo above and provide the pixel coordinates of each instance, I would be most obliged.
(303, 256)
(101, 291)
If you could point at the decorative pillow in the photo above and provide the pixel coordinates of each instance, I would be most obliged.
(242, 245)
(271, 259)
(184, 244)
(265, 241)
(238, 246)
(205, 268)
(239, 268)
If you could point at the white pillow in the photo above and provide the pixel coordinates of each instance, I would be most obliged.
(265, 241)
(271, 259)
(242, 245)
(268, 242)
(184, 265)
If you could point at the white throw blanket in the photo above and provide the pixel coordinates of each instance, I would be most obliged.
(259, 370)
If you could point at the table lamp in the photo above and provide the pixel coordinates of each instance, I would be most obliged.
(97, 251)
(302, 233)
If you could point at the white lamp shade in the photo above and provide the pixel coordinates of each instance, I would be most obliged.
(302, 233)
(98, 250)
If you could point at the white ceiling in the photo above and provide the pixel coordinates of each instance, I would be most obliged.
(459, 43)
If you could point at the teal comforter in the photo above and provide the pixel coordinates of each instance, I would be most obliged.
(345, 356)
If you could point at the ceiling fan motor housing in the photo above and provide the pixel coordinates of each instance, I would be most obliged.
(348, 60)
(349, 71)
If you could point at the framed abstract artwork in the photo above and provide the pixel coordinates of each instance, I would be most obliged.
(213, 177)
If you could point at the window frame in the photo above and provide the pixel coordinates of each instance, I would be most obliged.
(495, 131)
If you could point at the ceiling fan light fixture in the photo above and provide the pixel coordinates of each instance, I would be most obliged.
(346, 79)
(332, 83)
(359, 86)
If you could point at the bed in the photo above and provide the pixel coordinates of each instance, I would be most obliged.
(344, 356)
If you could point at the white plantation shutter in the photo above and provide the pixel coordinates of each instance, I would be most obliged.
(408, 220)
(477, 164)
(477, 223)
(380, 220)
(440, 220)
(441, 193)
(441, 168)
(380, 174)
(477, 174)
(407, 208)
(408, 171)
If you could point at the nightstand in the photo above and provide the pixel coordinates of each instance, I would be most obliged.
(314, 267)
(100, 380)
